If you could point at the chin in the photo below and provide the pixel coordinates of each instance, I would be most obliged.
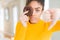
(33, 21)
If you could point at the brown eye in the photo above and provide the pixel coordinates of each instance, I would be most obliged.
(37, 10)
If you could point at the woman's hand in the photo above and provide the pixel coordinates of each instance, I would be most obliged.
(48, 15)
(52, 15)
(24, 18)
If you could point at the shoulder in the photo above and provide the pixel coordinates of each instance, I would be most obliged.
(18, 25)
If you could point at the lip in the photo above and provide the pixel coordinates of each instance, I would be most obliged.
(33, 18)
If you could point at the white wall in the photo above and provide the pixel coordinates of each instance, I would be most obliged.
(54, 3)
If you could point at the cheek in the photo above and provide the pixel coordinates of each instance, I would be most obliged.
(39, 14)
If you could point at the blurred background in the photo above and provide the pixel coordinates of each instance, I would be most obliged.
(10, 11)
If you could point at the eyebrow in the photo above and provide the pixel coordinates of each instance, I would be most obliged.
(37, 8)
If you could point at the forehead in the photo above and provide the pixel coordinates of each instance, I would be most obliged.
(35, 4)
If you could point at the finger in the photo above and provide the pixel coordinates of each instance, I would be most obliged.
(52, 11)
(27, 18)
(25, 12)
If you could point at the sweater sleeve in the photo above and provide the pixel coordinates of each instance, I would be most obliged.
(20, 32)
(56, 27)
(47, 24)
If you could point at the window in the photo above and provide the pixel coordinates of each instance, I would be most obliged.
(1, 18)
(6, 14)
(15, 17)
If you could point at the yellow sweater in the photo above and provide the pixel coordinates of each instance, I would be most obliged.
(37, 31)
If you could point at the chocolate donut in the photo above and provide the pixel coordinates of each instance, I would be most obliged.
(29, 9)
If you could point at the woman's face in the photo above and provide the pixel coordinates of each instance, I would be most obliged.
(37, 10)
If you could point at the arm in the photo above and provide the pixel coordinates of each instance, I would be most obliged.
(20, 32)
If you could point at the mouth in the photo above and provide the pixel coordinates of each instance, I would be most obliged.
(33, 18)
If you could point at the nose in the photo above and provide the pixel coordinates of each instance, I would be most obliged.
(33, 12)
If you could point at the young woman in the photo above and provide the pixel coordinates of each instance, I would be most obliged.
(31, 27)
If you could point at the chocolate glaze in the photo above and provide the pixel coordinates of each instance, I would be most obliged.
(29, 9)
